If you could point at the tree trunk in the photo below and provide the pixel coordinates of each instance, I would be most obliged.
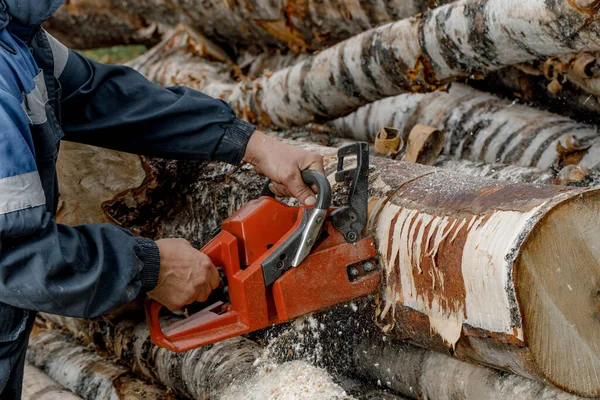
(202, 373)
(39, 386)
(425, 217)
(86, 24)
(562, 96)
(423, 374)
(477, 126)
(85, 372)
(228, 370)
(417, 54)
(299, 25)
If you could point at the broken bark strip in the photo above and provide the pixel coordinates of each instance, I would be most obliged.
(515, 313)
(299, 25)
(477, 126)
(84, 372)
(39, 386)
(417, 54)
(423, 374)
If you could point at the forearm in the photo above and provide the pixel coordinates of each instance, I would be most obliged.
(82, 271)
(116, 107)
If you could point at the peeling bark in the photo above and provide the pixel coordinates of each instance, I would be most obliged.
(85, 372)
(477, 126)
(299, 25)
(39, 386)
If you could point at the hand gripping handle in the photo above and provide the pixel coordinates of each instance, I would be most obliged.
(223, 251)
(310, 177)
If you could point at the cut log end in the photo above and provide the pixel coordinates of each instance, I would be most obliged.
(558, 291)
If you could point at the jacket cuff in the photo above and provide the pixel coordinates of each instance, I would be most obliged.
(232, 147)
(148, 253)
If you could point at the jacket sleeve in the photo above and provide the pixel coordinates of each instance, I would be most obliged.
(116, 107)
(82, 271)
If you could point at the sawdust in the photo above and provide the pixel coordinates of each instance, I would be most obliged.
(294, 380)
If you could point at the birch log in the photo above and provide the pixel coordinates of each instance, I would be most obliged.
(423, 374)
(85, 372)
(228, 370)
(477, 126)
(299, 25)
(560, 96)
(39, 386)
(512, 304)
(202, 373)
(418, 54)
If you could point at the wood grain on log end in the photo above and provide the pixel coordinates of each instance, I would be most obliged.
(558, 290)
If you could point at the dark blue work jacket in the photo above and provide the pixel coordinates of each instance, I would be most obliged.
(49, 93)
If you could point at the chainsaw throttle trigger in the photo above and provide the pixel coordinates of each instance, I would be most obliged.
(352, 219)
(299, 244)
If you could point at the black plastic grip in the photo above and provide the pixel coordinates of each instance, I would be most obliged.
(312, 177)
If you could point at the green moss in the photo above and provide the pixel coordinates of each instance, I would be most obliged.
(116, 54)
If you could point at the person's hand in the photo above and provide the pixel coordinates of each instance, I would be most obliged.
(186, 275)
(283, 164)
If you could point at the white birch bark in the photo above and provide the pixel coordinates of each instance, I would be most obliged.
(477, 126)
(39, 386)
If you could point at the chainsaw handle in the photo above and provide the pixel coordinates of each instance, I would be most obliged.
(310, 177)
(223, 251)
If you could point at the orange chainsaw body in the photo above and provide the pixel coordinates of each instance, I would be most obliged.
(332, 273)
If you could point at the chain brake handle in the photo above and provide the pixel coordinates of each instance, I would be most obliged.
(351, 219)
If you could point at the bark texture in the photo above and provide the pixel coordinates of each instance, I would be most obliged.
(300, 25)
(228, 370)
(39, 386)
(86, 24)
(425, 218)
(477, 126)
(201, 373)
(418, 54)
(423, 374)
(85, 372)
(527, 84)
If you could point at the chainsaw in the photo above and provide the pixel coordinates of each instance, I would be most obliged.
(281, 262)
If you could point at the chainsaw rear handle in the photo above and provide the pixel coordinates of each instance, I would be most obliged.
(310, 177)
(222, 250)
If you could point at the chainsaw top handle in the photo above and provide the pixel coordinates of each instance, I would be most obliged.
(310, 177)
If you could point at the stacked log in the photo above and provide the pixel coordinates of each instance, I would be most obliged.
(477, 126)
(39, 386)
(85, 372)
(293, 24)
(417, 54)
